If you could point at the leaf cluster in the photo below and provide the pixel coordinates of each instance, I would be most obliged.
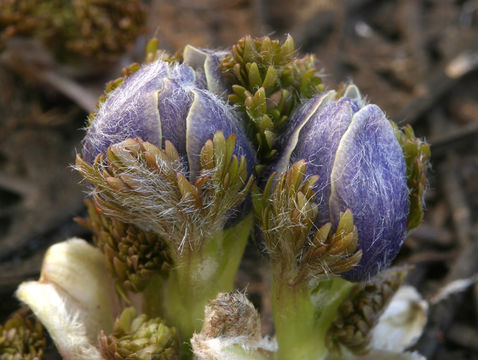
(133, 256)
(359, 314)
(139, 338)
(22, 337)
(286, 212)
(268, 82)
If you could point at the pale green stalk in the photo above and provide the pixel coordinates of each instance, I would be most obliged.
(302, 316)
(199, 276)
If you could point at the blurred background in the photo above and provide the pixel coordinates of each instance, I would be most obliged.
(417, 59)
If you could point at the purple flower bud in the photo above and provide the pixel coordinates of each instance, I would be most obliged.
(353, 148)
(164, 101)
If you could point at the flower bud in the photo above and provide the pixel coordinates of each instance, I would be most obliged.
(139, 338)
(361, 167)
(160, 102)
(231, 330)
(360, 313)
(133, 256)
(22, 337)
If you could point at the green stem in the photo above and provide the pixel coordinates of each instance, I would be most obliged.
(302, 317)
(294, 322)
(199, 276)
(153, 295)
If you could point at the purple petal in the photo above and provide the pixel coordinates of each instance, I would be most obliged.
(317, 144)
(129, 111)
(182, 74)
(173, 104)
(369, 178)
(201, 81)
(215, 80)
(207, 115)
(288, 140)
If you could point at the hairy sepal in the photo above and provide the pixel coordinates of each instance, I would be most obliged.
(139, 183)
(286, 211)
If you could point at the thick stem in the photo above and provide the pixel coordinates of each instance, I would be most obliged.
(302, 317)
(191, 284)
(294, 322)
(199, 276)
(152, 296)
